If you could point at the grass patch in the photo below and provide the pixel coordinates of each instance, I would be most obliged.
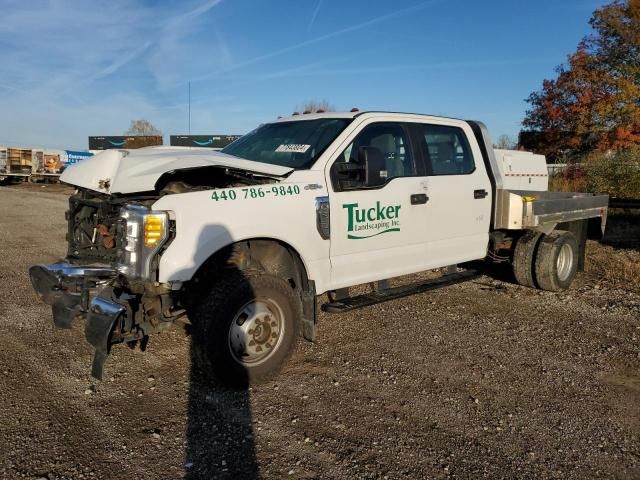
(620, 268)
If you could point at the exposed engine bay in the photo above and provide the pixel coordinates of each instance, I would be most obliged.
(94, 228)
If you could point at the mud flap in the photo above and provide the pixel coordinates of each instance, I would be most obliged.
(101, 318)
(309, 312)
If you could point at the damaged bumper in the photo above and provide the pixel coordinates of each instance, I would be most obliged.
(82, 292)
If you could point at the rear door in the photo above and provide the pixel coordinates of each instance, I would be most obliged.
(377, 232)
(459, 191)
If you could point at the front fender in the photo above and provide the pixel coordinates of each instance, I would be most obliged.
(205, 226)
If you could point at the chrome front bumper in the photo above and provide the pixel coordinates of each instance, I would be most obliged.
(81, 292)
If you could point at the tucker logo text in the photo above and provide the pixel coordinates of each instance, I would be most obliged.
(368, 222)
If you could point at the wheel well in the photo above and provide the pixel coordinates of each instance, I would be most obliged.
(260, 256)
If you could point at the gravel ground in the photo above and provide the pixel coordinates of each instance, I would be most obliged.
(484, 379)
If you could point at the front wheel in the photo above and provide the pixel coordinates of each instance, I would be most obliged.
(249, 326)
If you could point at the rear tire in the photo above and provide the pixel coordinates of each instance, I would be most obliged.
(524, 256)
(556, 261)
(247, 328)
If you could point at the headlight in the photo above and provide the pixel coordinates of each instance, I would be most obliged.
(143, 232)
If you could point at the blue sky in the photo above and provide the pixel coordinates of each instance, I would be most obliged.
(74, 68)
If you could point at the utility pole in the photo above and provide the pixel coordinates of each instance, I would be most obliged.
(189, 110)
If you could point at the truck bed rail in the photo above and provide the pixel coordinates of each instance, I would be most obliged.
(532, 209)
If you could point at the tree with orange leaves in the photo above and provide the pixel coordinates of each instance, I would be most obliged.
(594, 103)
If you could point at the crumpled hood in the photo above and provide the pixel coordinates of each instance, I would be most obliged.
(132, 171)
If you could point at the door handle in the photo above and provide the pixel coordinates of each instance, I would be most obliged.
(419, 199)
(481, 193)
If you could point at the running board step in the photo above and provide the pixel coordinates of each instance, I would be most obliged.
(372, 298)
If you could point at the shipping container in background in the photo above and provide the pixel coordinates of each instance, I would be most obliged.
(52, 163)
(206, 141)
(19, 162)
(125, 142)
(36, 164)
(72, 157)
(47, 165)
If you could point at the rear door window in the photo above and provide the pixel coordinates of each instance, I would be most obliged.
(445, 149)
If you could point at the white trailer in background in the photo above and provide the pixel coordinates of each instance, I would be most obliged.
(37, 164)
(48, 164)
(15, 163)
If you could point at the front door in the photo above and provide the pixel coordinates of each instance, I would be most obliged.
(378, 232)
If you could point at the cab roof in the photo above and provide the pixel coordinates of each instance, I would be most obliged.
(368, 113)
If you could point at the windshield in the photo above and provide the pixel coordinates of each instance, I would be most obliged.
(296, 144)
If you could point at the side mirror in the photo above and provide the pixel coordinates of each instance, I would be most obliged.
(372, 162)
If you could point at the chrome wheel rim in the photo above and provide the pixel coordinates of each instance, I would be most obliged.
(256, 331)
(564, 262)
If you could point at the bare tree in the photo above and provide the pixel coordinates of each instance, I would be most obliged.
(506, 142)
(313, 106)
(142, 127)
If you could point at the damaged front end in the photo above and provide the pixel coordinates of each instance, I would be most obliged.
(114, 309)
(115, 242)
(120, 302)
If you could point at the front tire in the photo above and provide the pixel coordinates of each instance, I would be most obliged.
(556, 261)
(248, 326)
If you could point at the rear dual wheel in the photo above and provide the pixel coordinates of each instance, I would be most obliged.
(556, 261)
(548, 262)
(524, 258)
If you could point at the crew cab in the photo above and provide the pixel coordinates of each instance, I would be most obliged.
(238, 245)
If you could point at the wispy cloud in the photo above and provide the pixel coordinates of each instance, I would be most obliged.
(192, 14)
(322, 38)
(118, 63)
(79, 42)
(170, 29)
(314, 16)
(63, 62)
(414, 67)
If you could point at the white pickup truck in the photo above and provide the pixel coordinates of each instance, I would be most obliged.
(237, 245)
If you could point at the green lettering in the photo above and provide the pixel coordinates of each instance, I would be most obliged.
(380, 211)
(370, 216)
(350, 209)
(389, 212)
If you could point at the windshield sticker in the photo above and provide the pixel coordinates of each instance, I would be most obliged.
(293, 148)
